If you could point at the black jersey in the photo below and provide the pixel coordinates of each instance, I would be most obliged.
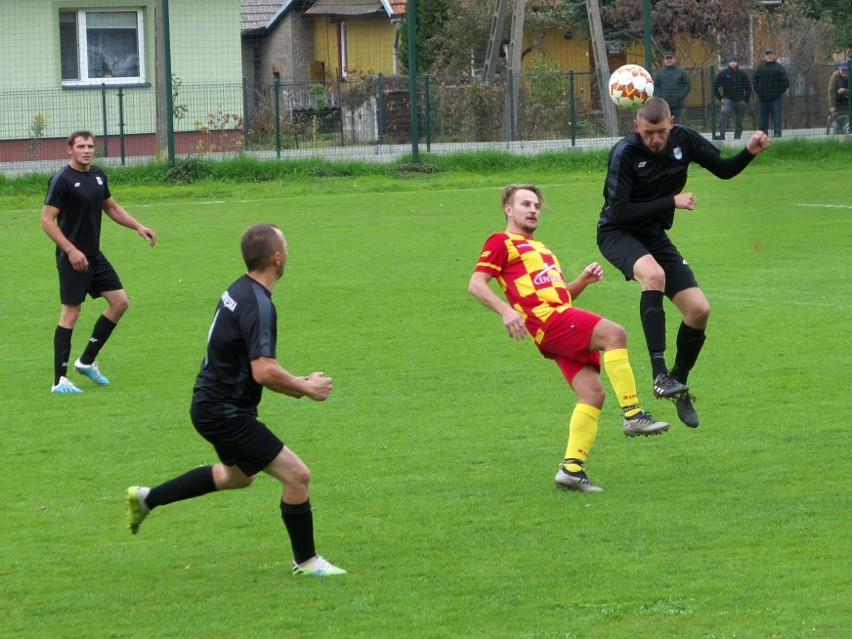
(79, 196)
(244, 328)
(641, 185)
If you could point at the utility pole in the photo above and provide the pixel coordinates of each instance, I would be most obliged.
(516, 46)
(495, 40)
(601, 67)
(165, 133)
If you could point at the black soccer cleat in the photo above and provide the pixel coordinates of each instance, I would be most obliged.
(685, 410)
(667, 387)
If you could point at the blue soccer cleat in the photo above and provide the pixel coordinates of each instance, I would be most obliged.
(92, 372)
(65, 385)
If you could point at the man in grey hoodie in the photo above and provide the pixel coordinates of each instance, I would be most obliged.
(672, 84)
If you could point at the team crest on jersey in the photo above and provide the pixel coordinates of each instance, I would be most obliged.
(678, 153)
(99, 181)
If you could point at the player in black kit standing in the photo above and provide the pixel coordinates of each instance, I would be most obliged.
(239, 363)
(77, 197)
(644, 183)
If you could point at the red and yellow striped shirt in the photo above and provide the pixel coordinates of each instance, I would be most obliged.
(529, 275)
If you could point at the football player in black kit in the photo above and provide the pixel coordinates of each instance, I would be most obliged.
(77, 197)
(647, 172)
(239, 363)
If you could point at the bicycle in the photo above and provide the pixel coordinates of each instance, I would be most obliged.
(838, 123)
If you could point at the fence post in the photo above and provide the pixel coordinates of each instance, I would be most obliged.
(340, 112)
(509, 112)
(245, 115)
(104, 116)
(573, 107)
(121, 122)
(277, 118)
(428, 115)
(712, 102)
(380, 107)
(411, 12)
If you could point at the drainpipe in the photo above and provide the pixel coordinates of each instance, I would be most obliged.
(397, 24)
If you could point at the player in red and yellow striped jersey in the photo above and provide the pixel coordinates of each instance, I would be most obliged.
(540, 302)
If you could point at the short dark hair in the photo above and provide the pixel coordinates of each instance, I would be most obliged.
(655, 110)
(258, 244)
(79, 134)
(509, 192)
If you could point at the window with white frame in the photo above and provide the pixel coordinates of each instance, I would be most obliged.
(101, 47)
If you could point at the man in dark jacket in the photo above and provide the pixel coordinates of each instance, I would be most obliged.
(838, 94)
(733, 88)
(770, 83)
(672, 84)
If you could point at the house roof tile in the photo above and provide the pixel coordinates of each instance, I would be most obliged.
(347, 7)
(397, 7)
(263, 14)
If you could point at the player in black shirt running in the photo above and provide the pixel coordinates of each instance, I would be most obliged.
(77, 197)
(644, 185)
(239, 363)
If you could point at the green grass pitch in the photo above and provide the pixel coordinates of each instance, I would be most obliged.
(433, 458)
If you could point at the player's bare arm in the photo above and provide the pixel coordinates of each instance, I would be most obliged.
(479, 287)
(48, 224)
(119, 215)
(270, 374)
(591, 274)
(758, 143)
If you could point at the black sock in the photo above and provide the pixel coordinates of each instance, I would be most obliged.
(689, 344)
(299, 521)
(61, 351)
(654, 325)
(100, 334)
(196, 482)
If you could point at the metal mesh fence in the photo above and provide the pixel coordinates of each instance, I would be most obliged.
(370, 116)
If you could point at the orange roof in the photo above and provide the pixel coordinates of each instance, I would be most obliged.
(397, 7)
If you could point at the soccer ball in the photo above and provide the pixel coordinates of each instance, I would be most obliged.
(629, 86)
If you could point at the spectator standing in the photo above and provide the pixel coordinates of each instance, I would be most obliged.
(672, 84)
(733, 89)
(838, 92)
(770, 83)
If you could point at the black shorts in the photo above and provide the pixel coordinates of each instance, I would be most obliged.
(240, 441)
(99, 278)
(623, 249)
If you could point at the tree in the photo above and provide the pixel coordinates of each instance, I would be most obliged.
(721, 25)
(450, 32)
(837, 13)
(430, 19)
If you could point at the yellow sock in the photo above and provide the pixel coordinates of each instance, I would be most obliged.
(582, 432)
(621, 377)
